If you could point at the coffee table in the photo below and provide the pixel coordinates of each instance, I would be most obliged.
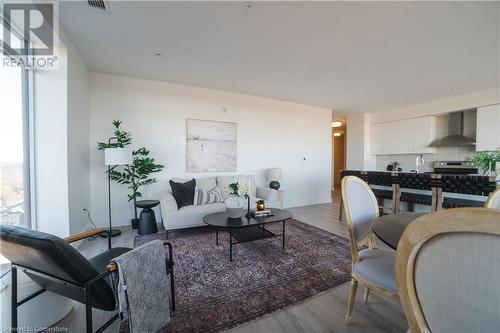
(246, 229)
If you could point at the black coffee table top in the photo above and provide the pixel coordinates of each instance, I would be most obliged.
(221, 219)
(147, 203)
(390, 228)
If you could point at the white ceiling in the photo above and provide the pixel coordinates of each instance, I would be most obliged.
(346, 56)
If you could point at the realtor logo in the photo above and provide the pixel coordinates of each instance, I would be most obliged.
(30, 34)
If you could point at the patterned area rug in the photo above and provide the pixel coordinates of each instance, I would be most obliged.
(214, 294)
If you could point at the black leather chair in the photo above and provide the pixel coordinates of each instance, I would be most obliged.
(58, 267)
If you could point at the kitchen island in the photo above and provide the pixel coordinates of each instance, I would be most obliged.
(422, 192)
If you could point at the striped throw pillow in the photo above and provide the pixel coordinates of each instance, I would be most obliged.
(202, 197)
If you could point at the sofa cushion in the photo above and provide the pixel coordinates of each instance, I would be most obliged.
(206, 183)
(190, 216)
(202, 197)
(223, 181)
(183, 192)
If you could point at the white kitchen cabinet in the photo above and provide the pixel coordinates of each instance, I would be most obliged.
(408, 136)
(488, 128)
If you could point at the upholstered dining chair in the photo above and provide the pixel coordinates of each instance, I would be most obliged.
(447, 270)
(494, 200)
(58, 267)
(373, 268)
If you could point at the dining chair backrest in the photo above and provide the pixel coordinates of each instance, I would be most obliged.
(494, 200)
(361, 209)
(447, 271)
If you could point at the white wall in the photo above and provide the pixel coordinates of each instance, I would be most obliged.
(358, 143)
(62, 182)
(78, 119)
(270, 133)
(51, 164)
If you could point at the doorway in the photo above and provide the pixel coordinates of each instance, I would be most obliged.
(339, 130)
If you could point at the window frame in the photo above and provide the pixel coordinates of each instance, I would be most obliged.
(27, 93)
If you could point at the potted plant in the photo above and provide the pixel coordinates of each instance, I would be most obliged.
(123, 138)
(486, 160)
(138, 173)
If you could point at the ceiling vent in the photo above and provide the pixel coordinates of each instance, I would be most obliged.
(99, 5)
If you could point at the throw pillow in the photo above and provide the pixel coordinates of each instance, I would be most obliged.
(202, 197)
(183, 192)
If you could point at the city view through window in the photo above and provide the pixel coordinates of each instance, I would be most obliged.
(12, 209)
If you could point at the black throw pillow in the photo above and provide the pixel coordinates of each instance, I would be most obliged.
(183, 192)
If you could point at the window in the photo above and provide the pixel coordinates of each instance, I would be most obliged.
(14, 141)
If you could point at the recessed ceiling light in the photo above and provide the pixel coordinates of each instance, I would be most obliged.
(336, 124)
(455, 88)
(337, 134)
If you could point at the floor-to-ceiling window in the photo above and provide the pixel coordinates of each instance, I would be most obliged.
(13, 173)
(15, 167)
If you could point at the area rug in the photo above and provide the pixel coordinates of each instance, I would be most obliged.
(214, 294)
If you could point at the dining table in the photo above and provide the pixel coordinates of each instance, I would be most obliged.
(390, 228)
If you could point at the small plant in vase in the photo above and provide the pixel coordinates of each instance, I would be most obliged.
(234, 204)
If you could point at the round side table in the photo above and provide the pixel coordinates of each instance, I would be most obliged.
(147, 219)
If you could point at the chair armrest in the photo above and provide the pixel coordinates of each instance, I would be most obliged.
(85, 234)
(112, 266)
(267, 194)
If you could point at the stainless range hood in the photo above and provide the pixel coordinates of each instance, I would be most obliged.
(455, 135)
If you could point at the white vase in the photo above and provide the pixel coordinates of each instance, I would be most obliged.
(234, 206)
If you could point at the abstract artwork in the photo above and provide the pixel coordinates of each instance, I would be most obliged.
(211, 146)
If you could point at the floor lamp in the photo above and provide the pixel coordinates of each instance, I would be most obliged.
(112, 158)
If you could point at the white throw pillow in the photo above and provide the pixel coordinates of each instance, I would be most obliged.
(202, 197)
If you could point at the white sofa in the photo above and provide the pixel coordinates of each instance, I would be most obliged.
(191, 216)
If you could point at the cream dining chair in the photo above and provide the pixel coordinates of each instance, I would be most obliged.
(494, 200)
(448, 268)
(373, 268)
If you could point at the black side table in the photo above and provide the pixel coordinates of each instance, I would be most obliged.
(147, 219)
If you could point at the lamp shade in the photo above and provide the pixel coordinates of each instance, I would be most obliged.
(117, 156)
(273, 174)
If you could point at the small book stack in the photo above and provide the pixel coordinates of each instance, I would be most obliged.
(263, 213)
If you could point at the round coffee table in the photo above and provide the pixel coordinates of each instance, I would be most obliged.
(246, 229)
(390, 228)
(147, 219)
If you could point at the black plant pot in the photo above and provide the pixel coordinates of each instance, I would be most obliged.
(135, 223)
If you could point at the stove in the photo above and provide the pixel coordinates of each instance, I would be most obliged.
(455, 168)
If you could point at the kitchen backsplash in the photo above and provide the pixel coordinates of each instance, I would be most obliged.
(407, 161)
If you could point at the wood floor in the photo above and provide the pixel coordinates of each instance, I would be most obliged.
(322, 313)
